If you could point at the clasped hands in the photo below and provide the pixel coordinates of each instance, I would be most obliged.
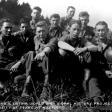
(79, 50)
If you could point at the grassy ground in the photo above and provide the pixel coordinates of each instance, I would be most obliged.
(62, 102)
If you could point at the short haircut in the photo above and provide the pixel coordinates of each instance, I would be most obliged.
(83, 13)
(75, 22)
(5, 20)
(41, 23)
(38, 8)
(70, 7)
(102, 23)
(55, 16)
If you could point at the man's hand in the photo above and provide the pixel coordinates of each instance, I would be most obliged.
(40, 56)
(15, 67)
(78, 51)
(101, 47)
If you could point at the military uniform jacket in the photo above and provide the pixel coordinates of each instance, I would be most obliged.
(10, 50)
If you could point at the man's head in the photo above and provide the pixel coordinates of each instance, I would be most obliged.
(36, 12)
(54, 20)
(84, 18)
(41, 29)
(70, 11)
(23, 26)
(6, 27)
(74, 28)
(101, 29)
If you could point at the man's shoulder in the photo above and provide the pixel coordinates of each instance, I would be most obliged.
(42, 17)
(59, 27)
(95, 40)
(66, 36)
(1, 36)
(16, 38)
(90, 29)
(17, 33)
(49, 38)
(109, 35)
(62, 19)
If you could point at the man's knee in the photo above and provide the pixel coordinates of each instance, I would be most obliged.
(19, 78)
(62, 52)
(94, 88)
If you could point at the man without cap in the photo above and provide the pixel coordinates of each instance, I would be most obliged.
(36, 62)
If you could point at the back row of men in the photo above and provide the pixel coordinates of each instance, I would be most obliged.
(67, 50)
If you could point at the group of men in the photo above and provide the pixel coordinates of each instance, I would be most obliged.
(64, 52)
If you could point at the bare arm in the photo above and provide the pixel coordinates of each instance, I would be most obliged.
(65, 46)
(92, 47)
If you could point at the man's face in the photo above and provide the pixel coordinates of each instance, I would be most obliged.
(101, 31)
(70, 13)
(74, 30)
(54, 22)
(6, 28)
(23, 27)
(35, 14)
(84, 21)
(41, 31)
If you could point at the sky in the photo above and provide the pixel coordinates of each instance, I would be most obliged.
(98, 9)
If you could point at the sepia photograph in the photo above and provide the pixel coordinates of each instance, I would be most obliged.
(55, 56)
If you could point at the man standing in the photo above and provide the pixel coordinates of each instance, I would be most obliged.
(86, 31)
(36, 16)
(66, 20)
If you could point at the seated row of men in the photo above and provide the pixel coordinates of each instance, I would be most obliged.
(80, 58)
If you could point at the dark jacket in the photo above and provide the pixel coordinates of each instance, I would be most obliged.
(27, 40)
(55, 32)
(10, 50)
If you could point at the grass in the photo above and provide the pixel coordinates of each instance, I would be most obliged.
(55, 98)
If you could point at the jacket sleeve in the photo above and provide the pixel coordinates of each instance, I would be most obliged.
(52, 44)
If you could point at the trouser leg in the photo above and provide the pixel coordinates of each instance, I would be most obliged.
(94, 90)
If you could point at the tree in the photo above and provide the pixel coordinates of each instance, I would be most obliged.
(13, 10)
